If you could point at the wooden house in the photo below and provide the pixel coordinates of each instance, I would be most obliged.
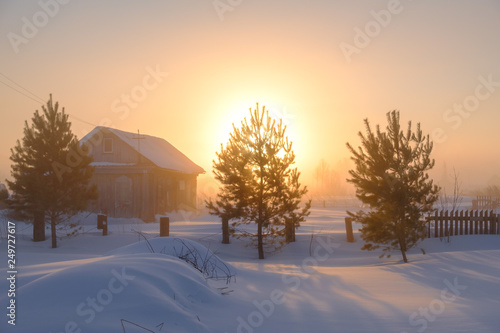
(140, 175)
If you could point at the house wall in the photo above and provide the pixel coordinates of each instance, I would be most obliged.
(142, 191)
(174, 191)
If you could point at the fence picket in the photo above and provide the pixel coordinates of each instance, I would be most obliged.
(461, 218)
(466, 222)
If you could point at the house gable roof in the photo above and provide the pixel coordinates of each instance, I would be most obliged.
(157, 150)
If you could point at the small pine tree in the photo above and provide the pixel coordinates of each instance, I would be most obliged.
(51, 171)
(391, 177)
(258, 183)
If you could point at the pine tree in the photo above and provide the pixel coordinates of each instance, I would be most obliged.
(391, 177)
(258, 183)
(51, 171)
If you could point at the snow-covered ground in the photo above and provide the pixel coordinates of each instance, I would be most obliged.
(321, 283)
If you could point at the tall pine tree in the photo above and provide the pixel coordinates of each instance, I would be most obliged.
(391, 177)
(258, 184)
(51, 171)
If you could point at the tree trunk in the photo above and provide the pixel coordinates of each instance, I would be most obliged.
(260, 244)
(403, 252)
(225, 230)
(39, 226)
(402, 247)
(402, 240)
(53, 231)
(289, 232)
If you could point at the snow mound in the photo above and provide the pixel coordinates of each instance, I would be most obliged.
(201, 258)
(127, 293)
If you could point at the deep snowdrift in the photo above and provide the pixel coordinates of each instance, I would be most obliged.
(189, 251)
(147, 289)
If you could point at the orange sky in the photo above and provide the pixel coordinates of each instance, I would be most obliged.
(295, 57)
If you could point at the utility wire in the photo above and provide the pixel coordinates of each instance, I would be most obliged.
(17, 84)
(36, 98)
(22, 93)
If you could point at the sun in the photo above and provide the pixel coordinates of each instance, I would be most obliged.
(237, 112)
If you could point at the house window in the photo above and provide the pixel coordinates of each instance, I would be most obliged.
(108, 145)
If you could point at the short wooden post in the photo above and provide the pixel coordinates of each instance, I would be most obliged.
(102, 223)
(105, 225)
(164, 226)
(100, 220)
(348, 229)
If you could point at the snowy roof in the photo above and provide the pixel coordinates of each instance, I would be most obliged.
(157, 150)
(110, 164)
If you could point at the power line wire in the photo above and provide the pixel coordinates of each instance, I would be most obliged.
(22, 93)
(37, 98)
(20, 86)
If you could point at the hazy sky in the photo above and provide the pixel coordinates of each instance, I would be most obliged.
(185, 70)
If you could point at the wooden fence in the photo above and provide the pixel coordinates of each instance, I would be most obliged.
(469, 222)
(485, 202)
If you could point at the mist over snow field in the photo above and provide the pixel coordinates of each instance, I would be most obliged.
(321, 283)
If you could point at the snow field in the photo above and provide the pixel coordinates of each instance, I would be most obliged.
(321, 283)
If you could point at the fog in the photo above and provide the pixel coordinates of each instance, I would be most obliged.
(186, 72)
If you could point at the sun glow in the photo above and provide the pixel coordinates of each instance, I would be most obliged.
(238, 110)
(237, 114)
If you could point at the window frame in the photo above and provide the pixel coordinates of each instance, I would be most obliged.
(104, 151)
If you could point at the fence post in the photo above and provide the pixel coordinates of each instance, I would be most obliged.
(494, 223)
(436, 220)
(102, 223)
(461, 222)
(105, 226)
(164, 226)
(348, 229)
(497, 224)
(441, 223)
(450, 228)
(429, 226)
(467, 224)
(476, 223)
